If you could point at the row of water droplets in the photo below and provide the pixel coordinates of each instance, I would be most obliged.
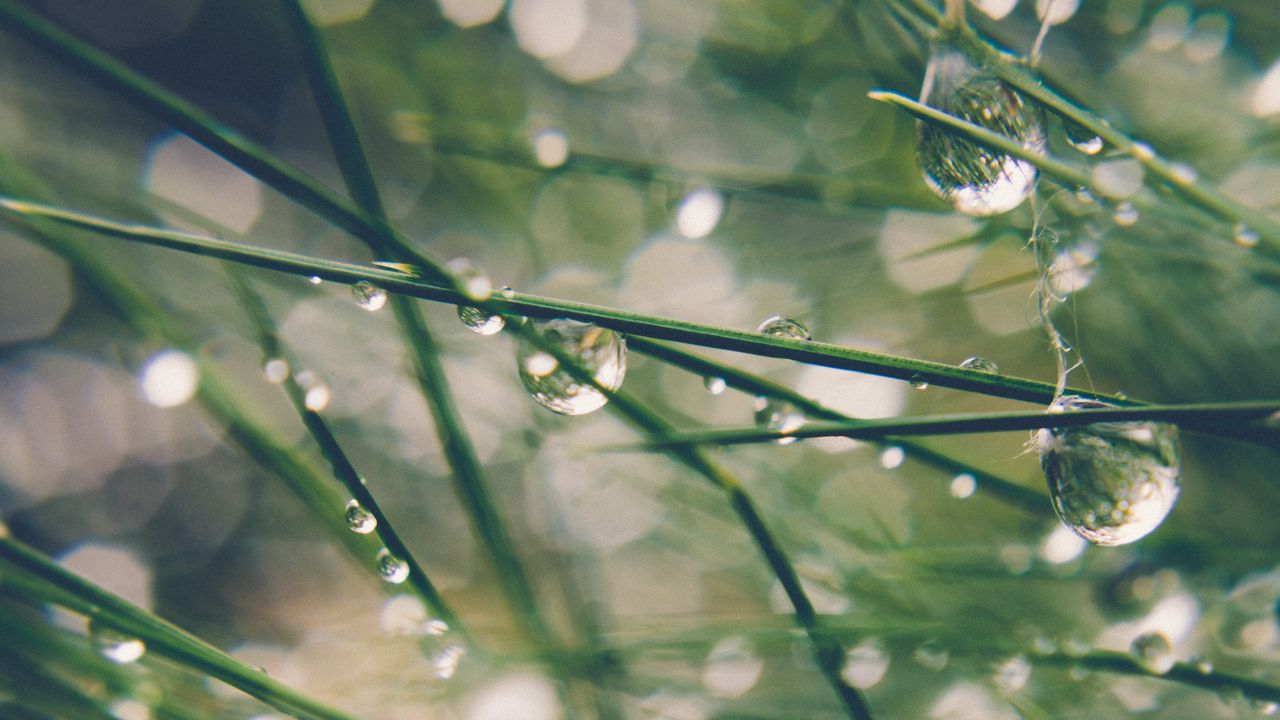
(1112, 483)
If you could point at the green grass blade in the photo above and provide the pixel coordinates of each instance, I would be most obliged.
(160, 636)
(1185, 673)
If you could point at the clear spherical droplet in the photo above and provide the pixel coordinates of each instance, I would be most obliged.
(469, 279)
(781, 326)
(918, 382)
(865, 665)
(779, 416)
(975, 180)
(369, 296)
(359, 519)
(963, 486)
(116, 646)
(599, 351)
(980, 364)
(391, 568)
(714, 385)
(1110, 482)
(1153, 652)
(1126, 215)
(479, 321)
(275, 370)
(1245, 236)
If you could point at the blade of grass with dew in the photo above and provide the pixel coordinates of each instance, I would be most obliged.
(456, 442)
(828, 653)
(159, 635)
(332, 451)
(809, 352)
(1184, 673)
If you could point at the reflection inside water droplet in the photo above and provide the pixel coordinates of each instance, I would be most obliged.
(1110, 482)
(975, 180)
(369, 296)
(391, 568)
(1153, 652)
(479, 321)
(782, 326)
(599, 351)
(360, 520)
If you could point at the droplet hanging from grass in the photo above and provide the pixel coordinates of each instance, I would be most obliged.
(772, 413)
(600, 351)
(479, 321)
(1153, 652)
(1082, 138)
(369, 296)
(976, 180)
(359, 519)
(1111, 482)
(391, 568)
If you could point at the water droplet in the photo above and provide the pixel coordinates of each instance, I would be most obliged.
(1153, 652)
(469, 279)
(275, 370)
(507, 292)
(732, 668)
(865, 665)
(918, 382)
(359, 519)
(932, 656)
(391, 568)
(1203, 666)
(116, 646)
(369, 296)
(980, 364)
(169, 378)
(714, 385)
(780, 416)
(1245, 236)
(892, 457)
(1183, 174)
(699, 213)
(975, 180)
(1082, 138)
(316, 393)
(314, 280)
(785, 327)
(599, 351)
(1012, 675)
(1126, 215)
(446, 659)
(479, 321)
(1143, 152)
(963, 486)
(1265, 708)
(1110, 482)
(551, 147)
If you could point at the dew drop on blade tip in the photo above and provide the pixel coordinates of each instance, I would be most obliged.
(599, 351)
(1111, 482)
(369, 296)
(974, 179)
(359, 519)
(479, 321)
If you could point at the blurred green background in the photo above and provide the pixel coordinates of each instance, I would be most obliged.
(710, 160)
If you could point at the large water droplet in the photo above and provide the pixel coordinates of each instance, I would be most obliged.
(369, 296)
(391, 568)
(865, 665)
(116, 646)
(785, 327)
(600, 351)
(980, 364)
(1110, 482)
(359, 519)
(479, 321)
(974, 179)
(1153, 652)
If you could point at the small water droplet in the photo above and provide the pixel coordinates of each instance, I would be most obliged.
(732, 668)
(779, 416)
(1245, 236)
(275, 370)
(317, 398)
(391, 568)
(785, 327)
(116, 646)
(980, 364)
(932, 656)
(918, 382)
(469, 279)
(1126, 215)
(369, 296)
(865, 665)
(1082, 138)
(963, 485)
(479, 321)
(359, 519)
(1012, 675)
(446, 659)
(1110, 482)
(314, 280)
(1153, 652)
(599, 351)
(507, 292)
(1203, 666)
(975, 180)
(714, 385)
(892, 457)
(1183, 174)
